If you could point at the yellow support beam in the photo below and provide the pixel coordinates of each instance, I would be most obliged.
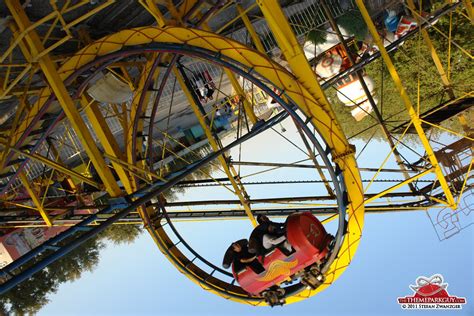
(397, 186)
(320, 112)
(35, 199)
(378, 117)
(299, 65)
(58, 167)
(134, 169)
(234, 19)
(293, 52)
(229, 171)
(248, 106)
(140, 97)
(57, 86)
(106, 138)
(185, 7)
(13, 134)
(434, 54)
(470, 11)
(239, 90)
(249, 26)
(465, 123)
(57, 157)
(406, 100)
(89, 13)
(449, 130)
(151, 7)
(467, 52)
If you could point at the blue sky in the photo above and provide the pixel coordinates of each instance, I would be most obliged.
(396, 248)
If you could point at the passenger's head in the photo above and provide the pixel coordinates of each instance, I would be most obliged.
(236, 247)
(262, 219)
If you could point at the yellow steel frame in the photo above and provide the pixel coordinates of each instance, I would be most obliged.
(415, 120)
(58, 167)
(134, 113)
(49, 69)
(183, 146)
(450, 40)
(240, 91)
(249, 26)
(229, 170)
(35, 199)
(19, 41)
(322, 117)
(239, 190)
(448, 130)
(398, 185)
(248, 106)
(342, 151)
(470, 11)
(434, 54)
(102, 130)
(143, 173)
(258, 44)
(382, 165)
(69, 177)
(56, 16)
(106, 138)
(383, 128)
(301, 85)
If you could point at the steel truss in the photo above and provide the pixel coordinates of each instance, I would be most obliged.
(58, 132)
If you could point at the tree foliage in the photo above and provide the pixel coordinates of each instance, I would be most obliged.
(30, 296)
(353, 23)
(122, 234)
(317, 36)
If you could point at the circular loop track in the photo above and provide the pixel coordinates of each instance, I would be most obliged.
(259, 69)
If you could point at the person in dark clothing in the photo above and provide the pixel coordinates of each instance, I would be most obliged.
(240, 257)
(267, 235)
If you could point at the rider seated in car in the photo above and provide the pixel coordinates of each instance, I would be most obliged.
(238, 254)
(268, 235)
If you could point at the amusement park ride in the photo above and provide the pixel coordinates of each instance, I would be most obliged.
(108, 106)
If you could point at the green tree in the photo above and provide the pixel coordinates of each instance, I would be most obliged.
(353, 23)
(317, 36)
(30, 296)
(122, 234)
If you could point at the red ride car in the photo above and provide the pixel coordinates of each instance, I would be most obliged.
(310, 241)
